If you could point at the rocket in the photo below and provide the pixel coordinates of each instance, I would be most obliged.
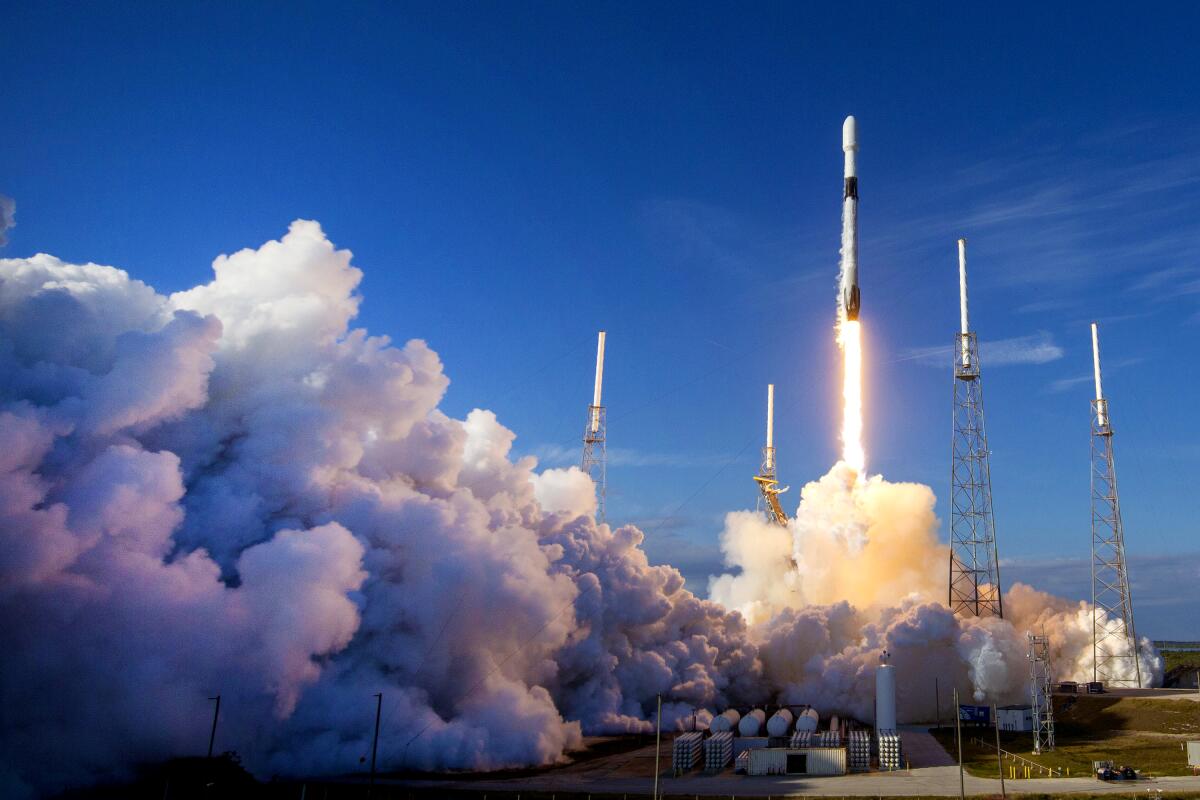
(850, 295)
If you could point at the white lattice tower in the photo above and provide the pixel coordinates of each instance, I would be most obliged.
(1114, 638)
(974, 561)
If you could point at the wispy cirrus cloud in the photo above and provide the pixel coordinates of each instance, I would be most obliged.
(556, 455)
(1037, 348)
(1065, 384)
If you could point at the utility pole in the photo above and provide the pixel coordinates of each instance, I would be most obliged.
(974, 560)
(962, 785)
(999, 757)
(657, 746)
(212, 737)
(937, 702)
(375, 744)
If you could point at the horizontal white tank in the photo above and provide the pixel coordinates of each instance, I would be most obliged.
(725, 721)
(885, 698)
(780, 723)
(808, 719)
(752, 723)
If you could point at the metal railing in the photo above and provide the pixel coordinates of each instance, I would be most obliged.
(1053, 772)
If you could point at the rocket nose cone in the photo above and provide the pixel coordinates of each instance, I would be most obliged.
(850, 134)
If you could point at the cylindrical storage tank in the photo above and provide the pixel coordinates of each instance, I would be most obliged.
(780, 723)
(835, 724)
(885, 698)
(725, 721)
(752, 723)
(807, 721)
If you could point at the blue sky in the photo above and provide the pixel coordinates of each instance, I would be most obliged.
(513, 177)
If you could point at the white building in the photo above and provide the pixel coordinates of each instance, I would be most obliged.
(1015, 718)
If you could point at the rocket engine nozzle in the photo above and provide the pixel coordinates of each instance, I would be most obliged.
(851, 302)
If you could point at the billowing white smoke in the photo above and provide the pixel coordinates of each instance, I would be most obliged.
(858, 570)
(231, 490)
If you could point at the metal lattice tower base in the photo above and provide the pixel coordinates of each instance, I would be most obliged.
(974, 563)
(769, 490)
(1114, 639)
(1041, 679)
(595, 455)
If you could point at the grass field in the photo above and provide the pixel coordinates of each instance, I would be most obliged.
(1145, 734)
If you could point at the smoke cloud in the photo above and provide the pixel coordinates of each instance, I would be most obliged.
(8, 217)
(233, 490)
(858, 570)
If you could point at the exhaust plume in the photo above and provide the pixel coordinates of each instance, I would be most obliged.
(233, 490)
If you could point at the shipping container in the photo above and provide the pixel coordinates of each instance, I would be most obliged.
(801, 761)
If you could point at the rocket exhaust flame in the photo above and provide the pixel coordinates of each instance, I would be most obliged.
(849, 334)
(850, 340)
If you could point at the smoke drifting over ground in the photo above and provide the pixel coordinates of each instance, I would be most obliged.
(859, 569)
(231, 489)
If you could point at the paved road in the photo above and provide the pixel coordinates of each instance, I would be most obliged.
(938, 781)
(934, 773)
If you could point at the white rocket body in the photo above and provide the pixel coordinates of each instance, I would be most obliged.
(851, 299)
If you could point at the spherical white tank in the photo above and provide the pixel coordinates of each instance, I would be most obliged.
(807, 721)
(885, 697)
(752, 723)
(725, 721)
(779, 723)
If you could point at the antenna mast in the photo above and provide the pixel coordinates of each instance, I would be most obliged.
(974, 561)
(595, 455)
(1114, 640)
(768, 485)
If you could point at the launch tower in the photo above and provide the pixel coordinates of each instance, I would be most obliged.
(768, 485)
(1041, 681)
(974, 561)
(595, 455)
(1114, 640)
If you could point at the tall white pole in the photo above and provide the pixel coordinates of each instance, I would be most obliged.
(965, 345)
(1101, 411)
(770, 415)
(599, 381)
(962, 283)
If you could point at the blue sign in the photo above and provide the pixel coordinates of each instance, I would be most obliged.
(979, 715)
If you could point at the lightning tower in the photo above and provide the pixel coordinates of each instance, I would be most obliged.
(1041, 679)
(768, 485)
(1114, 640)
(595, 455)
(974, 561)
